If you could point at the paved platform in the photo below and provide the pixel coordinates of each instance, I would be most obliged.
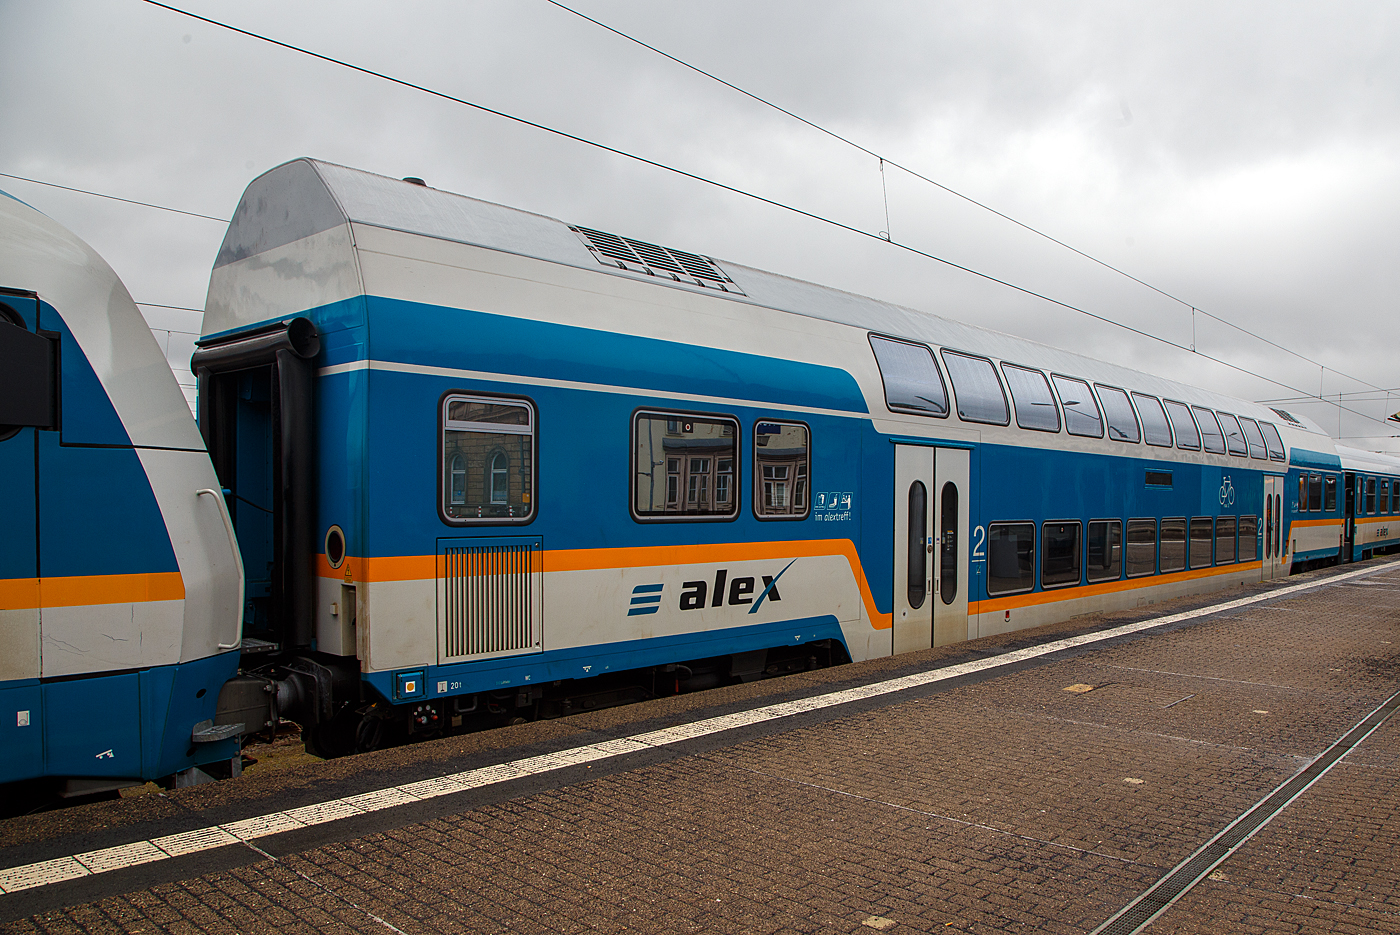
(964, 789)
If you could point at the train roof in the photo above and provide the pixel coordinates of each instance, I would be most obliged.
(1369, 462)
(306, 197)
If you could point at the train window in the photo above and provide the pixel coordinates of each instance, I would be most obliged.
(780, 463)
(1302, 493)
(1315, 493)
(1010, 558)
(1234, 435)
(1142, 547)
(1202, 533)
(1224, 540)
(1273, 442)
(1187, 436)
(1030, 394)
(1370, 495)
(976, 389)
(1254, 437)
(1059, 557)
(685, 466)
(488, 459)
(1122, 421)
(917, 572)
(1173, 545)
(1154, 421)
(1104, 546)
(911, 377)
(1211, 435)
(948, 543)
(1081, 411)
(1395, 496)
(1249, 538)
(1329, 491)
(1383, 496)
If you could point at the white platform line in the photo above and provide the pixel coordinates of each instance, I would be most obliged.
(57, 870)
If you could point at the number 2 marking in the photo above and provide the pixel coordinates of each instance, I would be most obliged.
(979, 539)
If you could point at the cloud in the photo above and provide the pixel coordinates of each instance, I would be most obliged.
(1237, 156)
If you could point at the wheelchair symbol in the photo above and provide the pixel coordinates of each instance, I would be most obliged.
(1227, 493)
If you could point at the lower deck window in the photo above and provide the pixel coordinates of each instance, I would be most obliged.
(1010, 558)
(487, 459)
(1059, 554)
(1105, 550)
(780, 461)
(1142, 547)
(1249, 538)
(1202, 534)
(1224, 540)
(1173, 545)
(685, 466)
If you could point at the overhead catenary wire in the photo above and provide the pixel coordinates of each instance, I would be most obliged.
(726, 187)
(130, 201)
(883, 160)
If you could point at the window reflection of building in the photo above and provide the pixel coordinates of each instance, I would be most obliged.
(780, 469)
(457, 470)
(684, 465)
(487, 449)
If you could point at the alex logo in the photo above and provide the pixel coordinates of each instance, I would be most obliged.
(735, 591)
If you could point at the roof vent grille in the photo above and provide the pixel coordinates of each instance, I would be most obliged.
(1287, 416)
(640, 257)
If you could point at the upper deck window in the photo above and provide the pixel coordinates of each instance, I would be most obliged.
(1122, 421)
(1234, 435)
(487, 459)
(1210, 430)
(976, 389)
(1030, 393)
(1081, 411)
(1275, 444)
(1187, 435)
(1254, 437)
(1154, 420)
(911, 377)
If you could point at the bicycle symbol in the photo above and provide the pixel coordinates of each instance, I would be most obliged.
(1227, 493)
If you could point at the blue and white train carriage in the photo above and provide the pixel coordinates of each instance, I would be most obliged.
(120, 583)
(478, 457)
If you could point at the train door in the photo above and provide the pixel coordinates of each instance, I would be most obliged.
(951, 546)
(913, 549)
(1349, 521)
(256, 413)
(27, 403)
(1273, 528)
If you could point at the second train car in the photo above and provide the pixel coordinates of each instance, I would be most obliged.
(480, 461)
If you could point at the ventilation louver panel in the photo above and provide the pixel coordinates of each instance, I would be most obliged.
(1287, 416)
(638, 256)
(488, 599)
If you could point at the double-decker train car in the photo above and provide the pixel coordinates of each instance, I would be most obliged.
(1344, 501)
(481, 460)
(459, 465)
(120, 583)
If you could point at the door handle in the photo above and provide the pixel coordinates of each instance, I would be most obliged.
(237, 561)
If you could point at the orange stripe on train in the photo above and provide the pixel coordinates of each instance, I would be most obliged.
(86, 590)
(420, 567)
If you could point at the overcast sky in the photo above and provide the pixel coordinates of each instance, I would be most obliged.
(1243, 157)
